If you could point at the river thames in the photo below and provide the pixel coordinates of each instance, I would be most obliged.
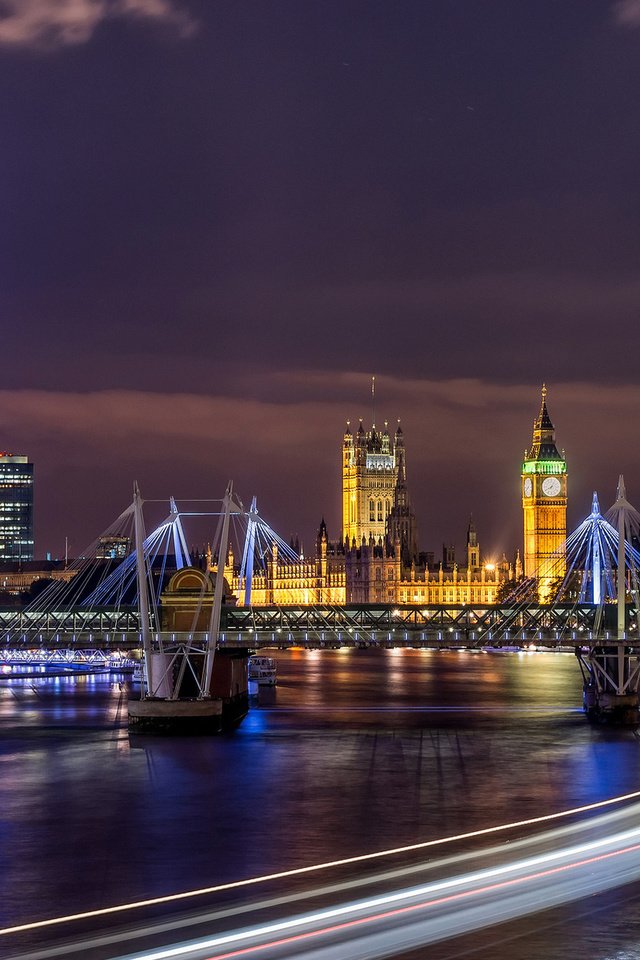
(353, 752)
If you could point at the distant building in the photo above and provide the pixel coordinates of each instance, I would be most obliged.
(377, 559)
(375, 573)
(113, 548)
(382, 563)
(308, 581)
(19, 576)
(16, 508)
(375, 502)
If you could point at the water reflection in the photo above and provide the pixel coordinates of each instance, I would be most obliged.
(348, 753)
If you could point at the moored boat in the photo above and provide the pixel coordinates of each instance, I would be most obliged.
(262, 670)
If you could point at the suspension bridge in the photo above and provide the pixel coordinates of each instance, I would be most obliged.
(155, 603)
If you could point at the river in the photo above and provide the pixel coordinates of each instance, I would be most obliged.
(354, 751)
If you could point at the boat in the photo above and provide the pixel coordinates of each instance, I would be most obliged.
(262, 670)
(138, 672)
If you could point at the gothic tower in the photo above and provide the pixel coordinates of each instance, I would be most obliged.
(544, 505)
(369, 477)
(401, 526)
(473, 548)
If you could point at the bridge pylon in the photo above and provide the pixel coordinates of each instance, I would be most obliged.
(611, 669)
(178, 688)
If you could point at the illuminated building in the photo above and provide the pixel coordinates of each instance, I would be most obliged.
(16, 507)
(377, 560)
(544, 505)
(375, 500)
(377, 574)
(382, 563)
(308, 581)
(370, 463)
(112, 548)
(18, 576)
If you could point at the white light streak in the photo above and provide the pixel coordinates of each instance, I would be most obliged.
(364, 908)
(327, 865)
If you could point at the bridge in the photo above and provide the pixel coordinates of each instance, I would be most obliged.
(566, 625)
(362, 625)
(595, 611)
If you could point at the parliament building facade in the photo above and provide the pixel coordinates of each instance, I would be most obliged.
(377, 559)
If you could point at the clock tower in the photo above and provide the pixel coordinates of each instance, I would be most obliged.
(544, 505)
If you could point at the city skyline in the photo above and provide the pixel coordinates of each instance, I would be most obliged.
(219, 222)
(457, 459)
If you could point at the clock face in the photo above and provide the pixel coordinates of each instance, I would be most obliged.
(551, 486)
(528, 487)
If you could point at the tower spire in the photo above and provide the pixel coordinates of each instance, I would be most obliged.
(622, 493)
(543, 444)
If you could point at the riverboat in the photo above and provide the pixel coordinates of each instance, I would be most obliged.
(262, 670)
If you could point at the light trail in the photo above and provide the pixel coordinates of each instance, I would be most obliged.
(175, 924)
(504, 850)
(477, 882)
(312, 868)
(400, 911)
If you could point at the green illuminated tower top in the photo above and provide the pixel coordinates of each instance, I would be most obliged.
(543, 457)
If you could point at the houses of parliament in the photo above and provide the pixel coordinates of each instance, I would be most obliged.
(377, 559)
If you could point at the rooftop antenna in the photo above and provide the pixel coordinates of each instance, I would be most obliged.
(373, 401)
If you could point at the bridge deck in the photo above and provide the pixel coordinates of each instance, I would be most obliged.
(566, 625)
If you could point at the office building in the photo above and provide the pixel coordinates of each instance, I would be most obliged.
(16, 508)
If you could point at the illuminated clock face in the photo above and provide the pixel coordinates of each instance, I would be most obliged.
(528, 487)
(551, 486)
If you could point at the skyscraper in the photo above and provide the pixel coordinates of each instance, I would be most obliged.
(16, 507)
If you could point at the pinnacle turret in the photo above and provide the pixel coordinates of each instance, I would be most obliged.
(543, 444)
(472, 535)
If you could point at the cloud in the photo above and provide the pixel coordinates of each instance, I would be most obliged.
(47, 24)
(464, 438)
(627, 13)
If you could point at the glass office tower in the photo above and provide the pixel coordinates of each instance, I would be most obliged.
(16, 508)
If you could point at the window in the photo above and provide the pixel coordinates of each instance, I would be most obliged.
(372, 511)
(380, 517)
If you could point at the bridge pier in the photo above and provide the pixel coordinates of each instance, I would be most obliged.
(224, 708)
(611, 676)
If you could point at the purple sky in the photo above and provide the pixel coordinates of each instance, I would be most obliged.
(219, 219)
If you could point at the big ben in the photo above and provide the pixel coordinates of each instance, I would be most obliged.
(544, 505)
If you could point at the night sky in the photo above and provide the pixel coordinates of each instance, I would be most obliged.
(219, 218)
